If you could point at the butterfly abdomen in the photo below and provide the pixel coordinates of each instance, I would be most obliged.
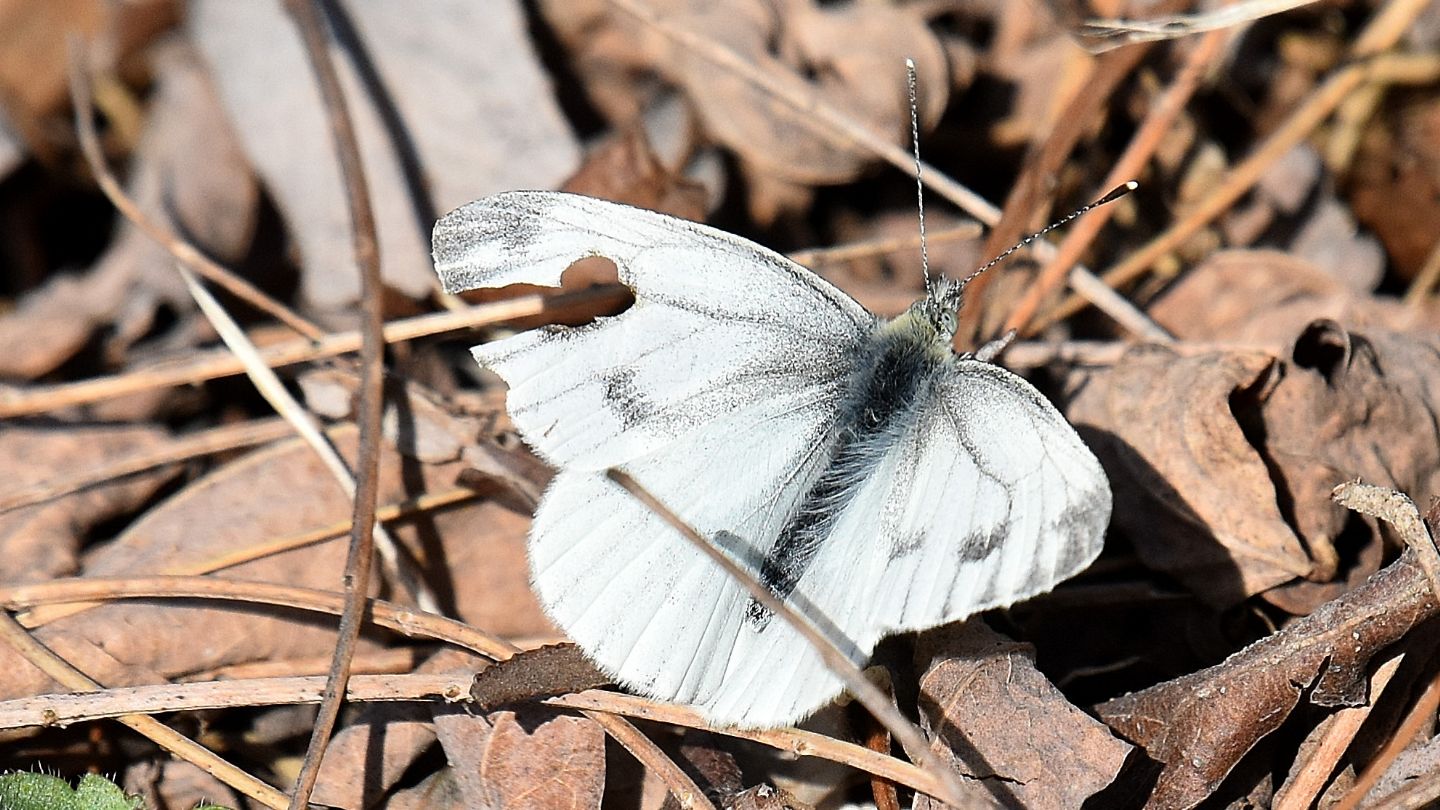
(896, 366)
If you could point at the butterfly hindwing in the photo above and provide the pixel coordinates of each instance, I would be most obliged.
(995, 499)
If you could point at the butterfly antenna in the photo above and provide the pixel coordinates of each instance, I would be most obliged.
(919, 183)
(1114, 194)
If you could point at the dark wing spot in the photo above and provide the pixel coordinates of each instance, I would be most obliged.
(977, 547)
(907, 545)
(625, 397)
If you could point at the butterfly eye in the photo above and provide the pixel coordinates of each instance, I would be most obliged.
(948, 323)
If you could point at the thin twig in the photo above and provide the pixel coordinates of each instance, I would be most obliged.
(1383, 31)
(1420, 716)
(790, 740)
(1143, 144)
(830, 122)
(306, 16)
(289, 690)
(182, 747)
(186, 253)
(16, 402)
(866, 692)
(1300, 792)
(195, 445)
(681, 786)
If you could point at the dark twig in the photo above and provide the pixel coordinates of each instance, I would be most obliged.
(869, 695)
(307, 18)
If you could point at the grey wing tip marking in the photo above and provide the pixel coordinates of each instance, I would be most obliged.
(472, 242)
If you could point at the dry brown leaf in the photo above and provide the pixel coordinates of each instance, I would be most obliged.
(33, 53)
(174, 784)
(1265, 297)
(554, 669)
(186, 166)
(531, 757)
(43, 541)
(1339, 404)
(1351, 406)
(372, 753)
(625, 169)
(1191, 492)
(1200, 725)
(478, 117)
(849, 56)
(273, 493)
(991, 713)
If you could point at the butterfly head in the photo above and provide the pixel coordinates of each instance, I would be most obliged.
(940, 308)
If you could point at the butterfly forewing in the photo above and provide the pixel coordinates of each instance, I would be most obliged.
(717, 323)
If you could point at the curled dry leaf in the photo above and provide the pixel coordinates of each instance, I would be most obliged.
(1237, 449)
(1351, 405)
(478, 117)
(1346, 398)
(1191, 492)
(1200, 725)
(990, 712)
(531, 757)
(42, 541)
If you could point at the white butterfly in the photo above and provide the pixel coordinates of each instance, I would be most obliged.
(859, 467)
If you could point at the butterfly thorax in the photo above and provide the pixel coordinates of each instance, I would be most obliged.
(893, 372)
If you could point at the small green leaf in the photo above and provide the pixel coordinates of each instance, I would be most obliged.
(39, 791)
